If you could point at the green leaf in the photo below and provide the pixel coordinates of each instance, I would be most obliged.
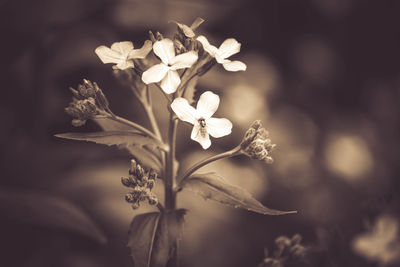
(145, 156)
(40, 209)
(212, 186)
(141, 238)
(108, 124)
(152, 236)
(120, 138)
(169, 231)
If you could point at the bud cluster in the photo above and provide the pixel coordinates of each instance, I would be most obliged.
(86, 103)
(141, 182)
(289, 252)
(256, 143)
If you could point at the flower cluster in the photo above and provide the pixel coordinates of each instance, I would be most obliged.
(289, 252)
(256, 143)
(141, 182)
(87, 102)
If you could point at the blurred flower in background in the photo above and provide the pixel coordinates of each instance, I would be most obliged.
(381, 243)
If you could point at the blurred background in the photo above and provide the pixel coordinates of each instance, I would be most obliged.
(323, 76)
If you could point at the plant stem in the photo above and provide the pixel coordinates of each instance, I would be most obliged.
(169, 183)
(150, 114)
(133, 125)
(233, 152)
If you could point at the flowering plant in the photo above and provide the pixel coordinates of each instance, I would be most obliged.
(154, 236)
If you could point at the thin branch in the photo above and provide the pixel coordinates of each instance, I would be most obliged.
(231, 153)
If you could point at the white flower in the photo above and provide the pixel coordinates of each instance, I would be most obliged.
(228, 48)
(166, 71)
(382, 244)
(122, 53)
(200, 117)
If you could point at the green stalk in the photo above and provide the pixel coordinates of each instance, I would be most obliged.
(231, 153)
(169, 183)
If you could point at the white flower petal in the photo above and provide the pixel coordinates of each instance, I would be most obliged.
(207, 104)
(212, 50)
(122, 47)
(170, 82)
(165, 50)
(184, 110)
(218, 127)
(201, 136)
(228, 48)
(234, 65)
(155, 74)
(143, 51)
(107, 55)
(185, 60)
(125, 65)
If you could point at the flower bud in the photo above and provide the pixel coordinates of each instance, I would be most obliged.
(256, 143)
(78, 123)
(135, 205)
(130, 198)
(87, 89)
(126, 181)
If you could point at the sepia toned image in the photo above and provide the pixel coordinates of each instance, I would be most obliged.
(174, 133)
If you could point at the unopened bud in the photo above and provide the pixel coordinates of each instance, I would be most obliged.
(133, 167)
(87, 89)
(130, 198)
(256, 143)
(78, 123)
(159, 36)
(153, 200)
(126, 181)
(179, 48)
(152, 174)
(135, 205)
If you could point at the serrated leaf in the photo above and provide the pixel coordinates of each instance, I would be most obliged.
(212, 186)
(142, 237)
(119, 138)
(40, 209)
(146, 157)
(108, 124)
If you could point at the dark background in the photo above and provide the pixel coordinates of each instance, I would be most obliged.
(322, 75)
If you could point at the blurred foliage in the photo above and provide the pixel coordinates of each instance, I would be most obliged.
(323, 76)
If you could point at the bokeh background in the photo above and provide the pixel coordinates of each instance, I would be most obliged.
(323, 76)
